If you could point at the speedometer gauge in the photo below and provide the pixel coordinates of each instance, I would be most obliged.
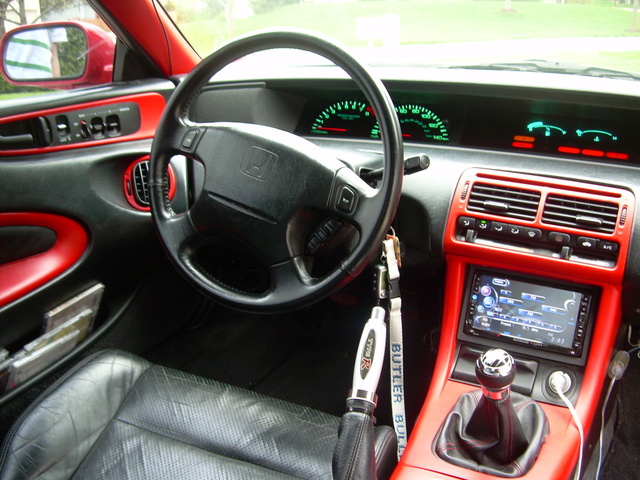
(350, 118)
(418, 124)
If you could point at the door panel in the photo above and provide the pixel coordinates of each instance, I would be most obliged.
(66, 224)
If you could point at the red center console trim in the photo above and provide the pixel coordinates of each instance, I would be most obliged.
(559, 454)
(22, 276)
(560, 451)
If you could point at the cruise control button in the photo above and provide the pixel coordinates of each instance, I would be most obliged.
(346, 200)
(189, 138)
(560, 238)
(331, 226)
(313, 244)
(587, 242)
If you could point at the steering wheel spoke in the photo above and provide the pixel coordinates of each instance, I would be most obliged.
(179, 233)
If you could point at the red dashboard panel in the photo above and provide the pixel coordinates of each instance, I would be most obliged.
(22, 276)
(582, 265)
(151, 106)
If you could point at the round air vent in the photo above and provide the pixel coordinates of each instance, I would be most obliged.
(136, 184)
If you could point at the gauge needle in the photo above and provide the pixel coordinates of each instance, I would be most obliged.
(332, 129)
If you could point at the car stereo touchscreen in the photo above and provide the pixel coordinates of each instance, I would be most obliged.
(538, 315)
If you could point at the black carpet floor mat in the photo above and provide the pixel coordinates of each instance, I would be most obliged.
(306, 357)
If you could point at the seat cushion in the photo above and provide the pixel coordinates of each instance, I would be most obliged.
(118, 416)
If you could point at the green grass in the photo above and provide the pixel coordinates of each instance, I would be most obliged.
(430, 21)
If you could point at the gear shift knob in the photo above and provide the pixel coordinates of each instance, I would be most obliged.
(495, 371)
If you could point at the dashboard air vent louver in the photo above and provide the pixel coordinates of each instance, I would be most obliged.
(505, 201)
(581, 213)
(141, 183)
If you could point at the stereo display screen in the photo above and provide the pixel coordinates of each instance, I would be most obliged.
(533, 314)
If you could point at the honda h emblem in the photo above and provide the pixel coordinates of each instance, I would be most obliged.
(258, 163)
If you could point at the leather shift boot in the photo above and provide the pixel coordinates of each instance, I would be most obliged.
(497, 437)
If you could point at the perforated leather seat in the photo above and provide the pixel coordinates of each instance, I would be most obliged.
(119, 416)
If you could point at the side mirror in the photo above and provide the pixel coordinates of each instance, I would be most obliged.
(58, 55)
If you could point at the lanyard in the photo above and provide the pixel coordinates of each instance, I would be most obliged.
(391, 262)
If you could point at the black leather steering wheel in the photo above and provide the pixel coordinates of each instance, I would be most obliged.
(259, 180)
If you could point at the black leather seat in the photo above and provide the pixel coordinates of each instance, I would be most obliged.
(119, 416)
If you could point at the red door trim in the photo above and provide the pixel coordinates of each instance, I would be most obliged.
(23, 276)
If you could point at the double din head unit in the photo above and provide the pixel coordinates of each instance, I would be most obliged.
(528, 313)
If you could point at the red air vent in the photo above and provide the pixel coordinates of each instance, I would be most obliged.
(583, 213)
(136, 184)
(505, 201)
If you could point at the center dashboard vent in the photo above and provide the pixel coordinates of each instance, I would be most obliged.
(505, 201)
(583, 213)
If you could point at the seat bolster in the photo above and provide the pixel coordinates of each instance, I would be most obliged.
(386, 449)
(46, 442)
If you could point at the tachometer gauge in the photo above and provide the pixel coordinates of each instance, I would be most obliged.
(418, 124)
(349, 118)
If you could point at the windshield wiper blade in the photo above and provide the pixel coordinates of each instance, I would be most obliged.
(549, 66)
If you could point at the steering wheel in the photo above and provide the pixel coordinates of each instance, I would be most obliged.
(259, 181)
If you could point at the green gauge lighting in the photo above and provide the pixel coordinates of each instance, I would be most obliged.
(350, 118)
(546, 130)
(419, 124)
(597, 135)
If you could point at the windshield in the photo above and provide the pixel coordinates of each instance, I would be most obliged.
(469, 33)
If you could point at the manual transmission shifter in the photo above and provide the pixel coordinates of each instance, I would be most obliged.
(495, 371)
(493, 430)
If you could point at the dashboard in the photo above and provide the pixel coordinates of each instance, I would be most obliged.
(535, 126)
(575, 132)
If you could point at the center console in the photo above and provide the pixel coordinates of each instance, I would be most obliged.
(540, 278)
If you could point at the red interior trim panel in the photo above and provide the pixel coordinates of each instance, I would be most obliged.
(545, 229)
(131, 117)
(20, 277)
(573, 229)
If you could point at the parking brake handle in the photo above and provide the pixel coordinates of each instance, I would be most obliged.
(354, 456)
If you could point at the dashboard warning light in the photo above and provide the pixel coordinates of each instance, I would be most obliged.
(522, 145)
(617, 156)
(524, 138)
(571, 150)
(592, 153)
